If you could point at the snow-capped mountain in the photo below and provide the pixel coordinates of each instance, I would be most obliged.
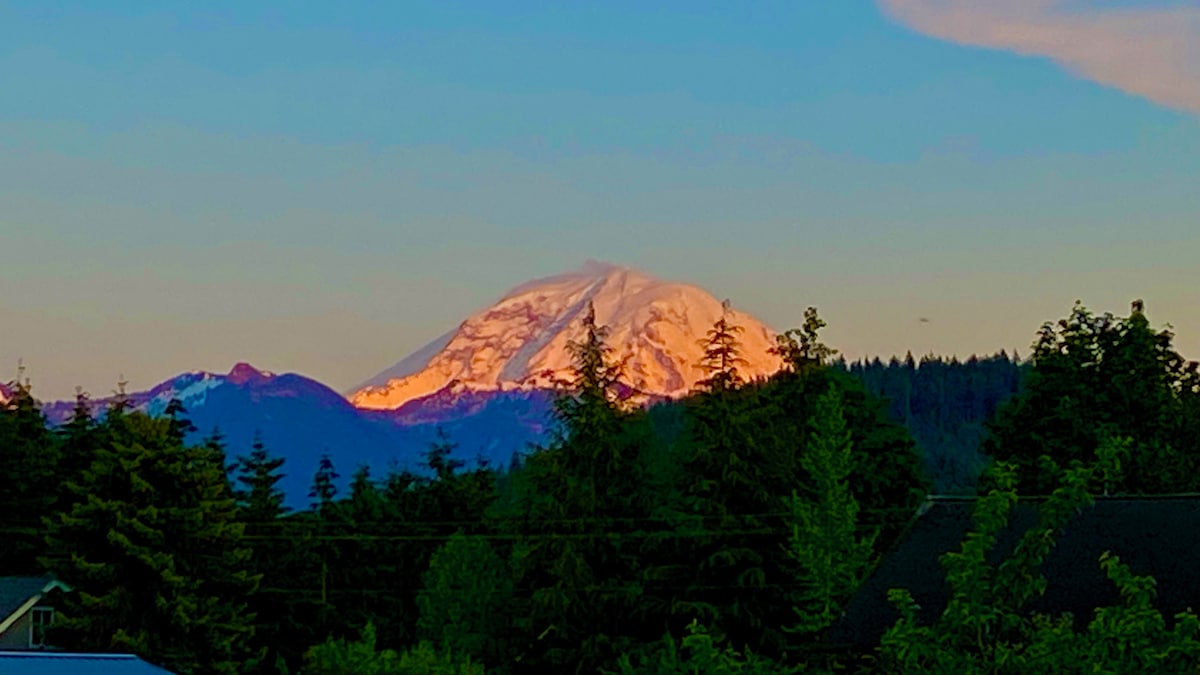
(520, 342)
(486, 383)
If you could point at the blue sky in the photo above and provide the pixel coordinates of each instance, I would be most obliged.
(323, 188)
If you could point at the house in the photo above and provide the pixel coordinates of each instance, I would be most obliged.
(61, 663)
(1154, 535)
(26, 611)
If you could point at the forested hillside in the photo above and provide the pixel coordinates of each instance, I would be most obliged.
(721, 533)
(945, 404)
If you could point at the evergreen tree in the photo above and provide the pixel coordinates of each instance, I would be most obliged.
(324, 487)
(178, 425)
(725, 574)
(722, 355)
(466, 602)
(153, 550)
(438, 457)
(258, 474)
(79, 439)
(29, 457)
(274, 555)
(570, 554)
(825, 543)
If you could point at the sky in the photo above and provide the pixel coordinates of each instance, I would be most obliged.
(323, 188)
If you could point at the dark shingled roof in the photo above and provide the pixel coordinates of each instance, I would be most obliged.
(1157, 536)
(15, 591)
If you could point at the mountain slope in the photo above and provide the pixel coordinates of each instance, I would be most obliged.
(301, 419)
(520, 342)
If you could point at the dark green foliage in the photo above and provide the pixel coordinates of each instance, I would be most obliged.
(274, 554)
(575, 504)
(698, 652)
(258, 473)
(984, 628)
(323, 488)
(1099, 376)
(801, 348)
(466, 602)
(722, 354)
(362, 657)
(725, 561)
(153, 550)
(945, 404)
(826, 544)
(78, 439)
(720, 533)
(29, 459)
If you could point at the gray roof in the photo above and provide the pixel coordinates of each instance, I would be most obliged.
(15, 591)
(62, 663)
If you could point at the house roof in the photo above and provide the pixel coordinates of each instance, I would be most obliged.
(64, 663)
(17, 592)
(1157, 536)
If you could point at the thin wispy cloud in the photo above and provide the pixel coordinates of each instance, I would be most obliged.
(1152, 52)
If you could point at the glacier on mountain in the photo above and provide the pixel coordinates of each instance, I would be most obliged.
(520, 343)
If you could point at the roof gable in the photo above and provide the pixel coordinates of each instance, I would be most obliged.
(17, 592)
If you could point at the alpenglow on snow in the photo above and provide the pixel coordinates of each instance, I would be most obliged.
(520, 342)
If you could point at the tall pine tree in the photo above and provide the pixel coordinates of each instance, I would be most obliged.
(825, 542)
(154, 551)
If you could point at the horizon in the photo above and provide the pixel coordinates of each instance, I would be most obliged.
(323, 191)
(589, 267)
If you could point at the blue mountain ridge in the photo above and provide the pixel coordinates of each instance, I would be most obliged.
(301, 419)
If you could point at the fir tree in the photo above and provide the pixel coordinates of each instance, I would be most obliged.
(258, 474)
(179, 426)
(155, 555)
(466, 601)
(79, 439)
(437, 457)
(722, 354)
(29, 457)
(580, 577)
(324, 487)
(825, 544)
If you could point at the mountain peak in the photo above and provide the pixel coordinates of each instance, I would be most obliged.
(244, 372)
(520, 342)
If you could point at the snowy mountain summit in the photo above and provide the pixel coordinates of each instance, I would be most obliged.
(520, 343)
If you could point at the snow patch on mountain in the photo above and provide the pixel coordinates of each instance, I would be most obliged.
(191, 390)
(520, 343)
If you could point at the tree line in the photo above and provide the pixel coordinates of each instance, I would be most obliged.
(721, 533)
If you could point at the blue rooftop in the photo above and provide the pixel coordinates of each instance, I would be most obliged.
(66, 663)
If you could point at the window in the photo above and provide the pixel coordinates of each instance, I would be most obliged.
(40, 619)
